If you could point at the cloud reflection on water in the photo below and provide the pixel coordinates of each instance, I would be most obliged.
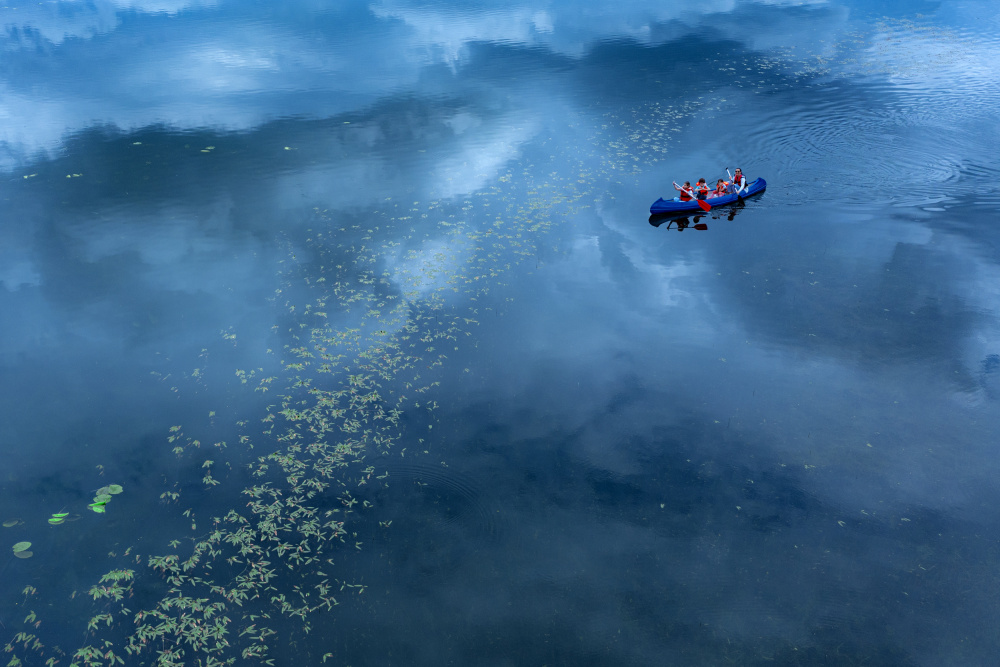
(192, 74)
(633, 348)
(806, 494)
(203, 253)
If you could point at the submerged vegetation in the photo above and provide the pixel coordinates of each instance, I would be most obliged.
(367, 319)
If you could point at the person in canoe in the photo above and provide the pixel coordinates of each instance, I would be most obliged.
(701, 189)
(739, 181)
(721, 188)
(686, 192)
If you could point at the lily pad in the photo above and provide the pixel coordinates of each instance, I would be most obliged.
(55, 521)
(115, 489)
(21, 546)
(102, 498)
(9, 523)
(24, 554)
(98, 508)
(60, 515)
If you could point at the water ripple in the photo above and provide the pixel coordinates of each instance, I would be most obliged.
(877, 152)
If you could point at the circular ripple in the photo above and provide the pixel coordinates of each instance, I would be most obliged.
(902, 152)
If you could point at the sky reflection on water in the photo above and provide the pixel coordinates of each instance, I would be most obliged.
(772, 440)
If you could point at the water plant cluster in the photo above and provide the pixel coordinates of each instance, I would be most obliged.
(368, 321)
(103, 497)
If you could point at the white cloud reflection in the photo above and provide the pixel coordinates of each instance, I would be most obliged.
(55, 22)
(189, 72)
(618, 300)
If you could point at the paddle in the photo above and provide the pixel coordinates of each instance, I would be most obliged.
(705, 206)
(742, 187)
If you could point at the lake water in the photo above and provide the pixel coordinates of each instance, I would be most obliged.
(361, 306)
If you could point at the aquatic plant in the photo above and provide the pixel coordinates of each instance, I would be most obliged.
(103, 497)
(368, 322)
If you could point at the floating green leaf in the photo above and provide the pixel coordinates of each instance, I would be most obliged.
(24, 554)
(102, 498)
(60, 515)
(115, 489)
(11, 522)
(21, 546)
(55, 521)
(97, 508)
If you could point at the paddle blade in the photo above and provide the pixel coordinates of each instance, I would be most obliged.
(705, 206)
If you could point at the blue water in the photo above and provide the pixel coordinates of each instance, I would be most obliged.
(767, 438)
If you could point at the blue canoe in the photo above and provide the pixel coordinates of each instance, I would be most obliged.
(673, 206)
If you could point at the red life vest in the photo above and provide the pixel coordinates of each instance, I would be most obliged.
(701, 190)
(685, 196)
(739, 180)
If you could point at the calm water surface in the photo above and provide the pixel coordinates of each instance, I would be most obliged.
(362, 307)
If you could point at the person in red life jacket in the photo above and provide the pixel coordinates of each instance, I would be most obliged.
(701, 189)
(686, 194)
(721, 188)
(739, 181)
